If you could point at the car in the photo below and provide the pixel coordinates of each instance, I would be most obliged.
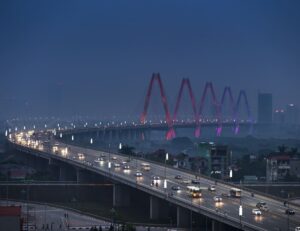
(262, 206)
(256, 212)
(217, 199)
(178, 177)
(297, 228)
(126, 167)
(195, 181)
(212, 188)
(175, 188)
(259, 204)
(124, 162)
(117, 165)
(225, 195)
(114, 158)
(138, 174)
(290, 212)
(156, 178)
(186, 181)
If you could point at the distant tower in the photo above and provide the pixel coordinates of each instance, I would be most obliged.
(265, 108)
(291, 114)
(279, 116)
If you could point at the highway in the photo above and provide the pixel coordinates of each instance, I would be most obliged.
(227, 211)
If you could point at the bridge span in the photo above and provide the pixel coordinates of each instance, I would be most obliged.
(234, 212)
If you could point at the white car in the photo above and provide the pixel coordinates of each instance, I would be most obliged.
(175, 188)
(156, 178)
(256, 212)
(186, 181)
(114, 158)
(117, 165)
(217, 199)
(212, 188)
(138, 174)
(126, 167)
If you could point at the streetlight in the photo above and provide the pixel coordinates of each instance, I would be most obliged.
(165, 181)
(165, 184)
(241, 207)
(241, 213)
(91, 141)
(120, 146)
(6, 132)
(288, 212)
(72, 138)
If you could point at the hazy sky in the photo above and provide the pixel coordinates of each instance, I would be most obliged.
(97, 57)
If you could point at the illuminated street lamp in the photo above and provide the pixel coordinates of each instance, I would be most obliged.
(165, 181)
(60, 135)
(241, 213)
(6, 132)
(165, 184)
(120, 146)
(72, 138)
(91, 141)
(24, 128)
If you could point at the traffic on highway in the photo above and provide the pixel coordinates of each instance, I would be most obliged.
(234, 203)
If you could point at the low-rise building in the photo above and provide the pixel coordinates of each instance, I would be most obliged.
(10, 218)
(282, 167)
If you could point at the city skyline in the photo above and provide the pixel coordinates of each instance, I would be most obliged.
(58, 50)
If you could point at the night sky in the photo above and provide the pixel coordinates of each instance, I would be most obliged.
(96, 58)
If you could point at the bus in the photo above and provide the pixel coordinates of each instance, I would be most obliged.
(145, 166)
(194, 191)
(235, 192)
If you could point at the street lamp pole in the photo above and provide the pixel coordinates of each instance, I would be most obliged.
(288, 213)
(241, 207)
(165, 182)
(109, 163)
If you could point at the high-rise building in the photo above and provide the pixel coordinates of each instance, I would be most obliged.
(265, 108)
(279, 116)
(291, 114)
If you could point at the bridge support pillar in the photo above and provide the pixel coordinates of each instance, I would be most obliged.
(158, 209)
(183, 217)
(217, 226)
(82, 176)
(121, 195)
(67, 173)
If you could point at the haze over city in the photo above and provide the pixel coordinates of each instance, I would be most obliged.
(96, 58)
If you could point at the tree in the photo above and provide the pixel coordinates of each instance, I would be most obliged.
(282, 148)
(294, 150)
(127, 150)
